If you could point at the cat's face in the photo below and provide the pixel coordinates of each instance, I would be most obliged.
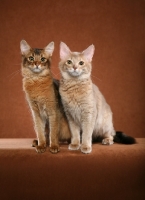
(35, 60)
(75, 64)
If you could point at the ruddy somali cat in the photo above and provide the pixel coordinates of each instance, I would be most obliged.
(43, 98)
(85, 106)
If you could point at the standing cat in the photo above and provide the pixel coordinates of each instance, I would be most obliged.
(43, 98)
(86, 108)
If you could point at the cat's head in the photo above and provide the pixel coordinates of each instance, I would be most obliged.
(76, 65)
(36, 61)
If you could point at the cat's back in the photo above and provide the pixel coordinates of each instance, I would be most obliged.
(100, 101)
(97, 93)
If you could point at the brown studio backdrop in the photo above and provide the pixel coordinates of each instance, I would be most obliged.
(116, 28)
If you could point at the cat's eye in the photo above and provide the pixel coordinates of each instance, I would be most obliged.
(81, 63)
(31, 58)
(43, 59)
(69, 62)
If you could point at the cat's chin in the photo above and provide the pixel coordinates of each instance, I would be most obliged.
(74, 74)
(37, 70)
(79, 75)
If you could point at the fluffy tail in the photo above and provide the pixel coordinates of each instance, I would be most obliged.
(121, 137)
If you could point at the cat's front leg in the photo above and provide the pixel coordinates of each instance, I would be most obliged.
(39, 126)
(40, 131)
(86, 146)
(87, 129)
(75, 135)
(54, 133)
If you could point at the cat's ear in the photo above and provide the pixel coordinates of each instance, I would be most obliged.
(24, 46)
(64, 51)
(49, 49)
(89, 52)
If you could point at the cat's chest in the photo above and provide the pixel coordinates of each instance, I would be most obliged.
(77, 99)
(38, 90)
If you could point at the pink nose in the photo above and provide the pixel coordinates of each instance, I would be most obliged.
(37, 64)
(74, 67)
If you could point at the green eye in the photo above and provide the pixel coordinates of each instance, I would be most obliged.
(43, 59)
(81, 63)
(31, 58)
(69, 62)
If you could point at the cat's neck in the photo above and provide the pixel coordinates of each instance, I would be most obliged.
(27, 74)
(75, 81)
(31, 83)
(37, 78)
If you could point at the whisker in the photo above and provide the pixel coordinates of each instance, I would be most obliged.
(14, 74)
(96, 77)
(55, 74)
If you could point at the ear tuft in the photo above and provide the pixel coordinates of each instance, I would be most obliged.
(64, 51)
(89, 52)
(49, 48)
(24, 46)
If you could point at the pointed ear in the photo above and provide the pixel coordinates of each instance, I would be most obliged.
(89, 52)
(49, 48)
(64, 51)
(24, 46)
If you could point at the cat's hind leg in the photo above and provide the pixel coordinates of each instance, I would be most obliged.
(108, 131)
(108, 139)
(35, 143)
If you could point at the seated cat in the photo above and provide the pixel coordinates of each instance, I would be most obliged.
(43, 97)
(85, 106)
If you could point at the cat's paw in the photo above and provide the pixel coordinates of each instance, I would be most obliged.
(74, 147)
(54, 149)
(41, 148)
(86, 149)
(107, 141)
(35, 143)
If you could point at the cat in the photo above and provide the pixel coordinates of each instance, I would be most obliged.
(42, 94)
(85, 106)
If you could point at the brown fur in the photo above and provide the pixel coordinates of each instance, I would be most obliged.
(43, 98)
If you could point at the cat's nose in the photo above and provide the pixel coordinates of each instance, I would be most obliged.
(37, 64)
(74, 67)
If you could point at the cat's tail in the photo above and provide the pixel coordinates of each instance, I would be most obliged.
(121, 137)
